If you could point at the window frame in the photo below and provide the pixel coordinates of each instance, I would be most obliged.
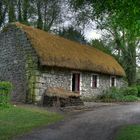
(97, 81)
(111, 85)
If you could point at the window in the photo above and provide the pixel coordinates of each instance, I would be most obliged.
(112, 81)
(95, 81)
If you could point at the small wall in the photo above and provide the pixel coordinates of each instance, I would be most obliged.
(63, 79)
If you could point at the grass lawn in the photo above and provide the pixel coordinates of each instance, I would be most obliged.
(130, 132)
(18, 120)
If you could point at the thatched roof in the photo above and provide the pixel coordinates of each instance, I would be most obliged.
(59, 52)
(60, 92)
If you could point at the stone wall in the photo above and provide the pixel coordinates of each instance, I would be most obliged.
(52, 78)
(15, 50)
(63, 78)
(104, 84)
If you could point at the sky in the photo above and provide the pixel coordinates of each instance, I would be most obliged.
(92, 34)
(91, 31)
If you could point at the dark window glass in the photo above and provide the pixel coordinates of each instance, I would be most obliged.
(94, 81)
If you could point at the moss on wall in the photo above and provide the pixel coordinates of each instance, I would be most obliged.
(31, 78)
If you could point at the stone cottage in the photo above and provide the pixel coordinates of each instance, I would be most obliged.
(37, 62)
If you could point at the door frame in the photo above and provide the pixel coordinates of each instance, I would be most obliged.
(80, 81)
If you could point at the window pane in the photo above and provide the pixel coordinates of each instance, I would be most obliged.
(113, 81)
(94, 82)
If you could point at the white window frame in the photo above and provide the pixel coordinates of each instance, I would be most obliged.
(111, 81)
(98, 81)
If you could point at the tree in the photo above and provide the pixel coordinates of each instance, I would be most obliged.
(99, 44)
(3, 11)
(19, 6)
(72, 34)
(25, 7)
(39, 20)
(123, 27)
(51, 13)
(11, 10)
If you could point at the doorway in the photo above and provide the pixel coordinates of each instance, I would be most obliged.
(76, 82)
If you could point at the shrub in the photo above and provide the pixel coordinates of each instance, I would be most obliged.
(130, 98)
(128, 94)
(5, 90)
(130, 91)
(113, 94)
(138, 88)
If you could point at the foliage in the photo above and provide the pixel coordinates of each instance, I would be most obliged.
(99, 44)
(128, 94)
(113, 94)
(122, 33)
(129, 132)
(138, 88)
(130, 98)
(30, 73)
(5, 90)
(42, 14)
(3, 11)
(19, 120)
(130, 91)
(73, 34)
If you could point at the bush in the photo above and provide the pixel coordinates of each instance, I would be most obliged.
(113, 94)
(138, 88)
(5, 90)
(130, 98)
(130, 91)
(128, 94)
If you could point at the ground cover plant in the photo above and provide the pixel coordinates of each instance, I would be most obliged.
(5, 90)
(130, 132)
(19, 120)
(127, 94)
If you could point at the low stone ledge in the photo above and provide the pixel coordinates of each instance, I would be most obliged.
(61, 98)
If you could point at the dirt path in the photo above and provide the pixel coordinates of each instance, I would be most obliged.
(98, 124)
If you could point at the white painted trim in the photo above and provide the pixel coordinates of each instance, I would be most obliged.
(115, 82)
(110, 81)
(80, 83)
(71, 81)
(91, 81)
(98, 80)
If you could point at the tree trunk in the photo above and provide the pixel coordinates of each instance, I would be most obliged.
(129, 62)
(19, 11)
(11, 11)
(39, 20)
(45, 16)
(25, 11)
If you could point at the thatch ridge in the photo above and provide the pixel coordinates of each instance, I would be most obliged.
(59, 52)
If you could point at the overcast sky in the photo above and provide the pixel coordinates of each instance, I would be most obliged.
(92, 34)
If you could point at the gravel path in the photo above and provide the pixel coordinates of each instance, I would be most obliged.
(97, 124)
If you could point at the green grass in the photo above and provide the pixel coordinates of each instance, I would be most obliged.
(130, 132)
(18, 120)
